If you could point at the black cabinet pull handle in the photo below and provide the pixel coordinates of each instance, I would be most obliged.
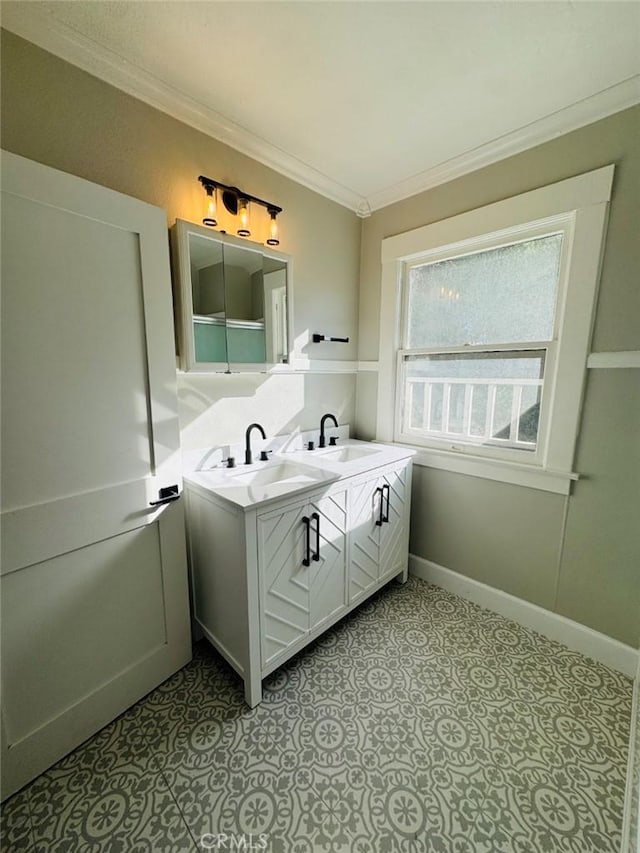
(381, 514)
(307, 545)
(166, 495)
(316, 516)
(388, 489)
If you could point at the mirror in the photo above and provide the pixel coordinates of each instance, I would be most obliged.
(231, 299)
(207, 298)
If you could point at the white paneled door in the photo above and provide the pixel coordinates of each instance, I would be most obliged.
(93, 583)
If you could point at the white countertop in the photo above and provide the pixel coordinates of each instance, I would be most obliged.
(290, 471)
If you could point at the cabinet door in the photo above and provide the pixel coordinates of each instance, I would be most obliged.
(395, 529)
(364, 537)
(328, 540)
(284, 580)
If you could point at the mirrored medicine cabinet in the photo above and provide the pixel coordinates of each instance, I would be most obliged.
(232, 300)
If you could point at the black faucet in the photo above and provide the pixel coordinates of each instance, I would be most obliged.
(323, 442)
(248, 459)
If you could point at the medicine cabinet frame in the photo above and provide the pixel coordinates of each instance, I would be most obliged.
(184, 307)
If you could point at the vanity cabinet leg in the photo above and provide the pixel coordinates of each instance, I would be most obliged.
(253, 691)
(403, 576)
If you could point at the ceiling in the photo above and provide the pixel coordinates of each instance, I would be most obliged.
(366, 102)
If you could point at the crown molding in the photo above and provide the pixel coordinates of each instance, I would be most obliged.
(25, 20)
(68, 44)
(605, 103)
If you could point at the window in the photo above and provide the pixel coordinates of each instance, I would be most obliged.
(485, 333)
(479, 335)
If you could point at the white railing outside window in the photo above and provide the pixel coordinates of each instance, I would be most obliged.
(445, 408)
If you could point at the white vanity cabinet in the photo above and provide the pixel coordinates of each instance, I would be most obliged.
(266, 580)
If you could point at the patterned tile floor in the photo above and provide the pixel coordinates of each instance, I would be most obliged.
(420, 723)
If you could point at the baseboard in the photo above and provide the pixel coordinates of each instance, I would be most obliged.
(578, 637)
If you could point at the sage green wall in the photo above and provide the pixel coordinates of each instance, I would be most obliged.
(56, 114)
(599, 580)
(578, 556)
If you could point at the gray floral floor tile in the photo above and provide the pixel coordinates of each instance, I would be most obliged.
(419, 724)
(15, 824)
(268, 805)
(107, 795)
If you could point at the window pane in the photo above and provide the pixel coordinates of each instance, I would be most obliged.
(475, 398)
(500, 295)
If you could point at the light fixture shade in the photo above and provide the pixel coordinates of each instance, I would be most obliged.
(210, 207)
(273, 238)
(243, 215)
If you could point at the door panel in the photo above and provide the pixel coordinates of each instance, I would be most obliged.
(364, 509)
(284, 579)
(393, 534)
(35, 533)
(327, 592)
(62, 609)
(77, 331)
(95, 607)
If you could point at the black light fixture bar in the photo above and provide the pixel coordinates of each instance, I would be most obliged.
(236, 192)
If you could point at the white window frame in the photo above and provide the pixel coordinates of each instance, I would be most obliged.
(562, 225)
(577, 207)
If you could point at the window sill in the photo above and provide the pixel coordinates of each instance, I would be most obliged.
(513, 473)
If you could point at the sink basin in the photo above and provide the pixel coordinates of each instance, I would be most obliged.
(260, 483)
(285, 472)
(348, 454)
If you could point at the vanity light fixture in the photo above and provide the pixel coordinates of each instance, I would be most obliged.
(236, 201)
